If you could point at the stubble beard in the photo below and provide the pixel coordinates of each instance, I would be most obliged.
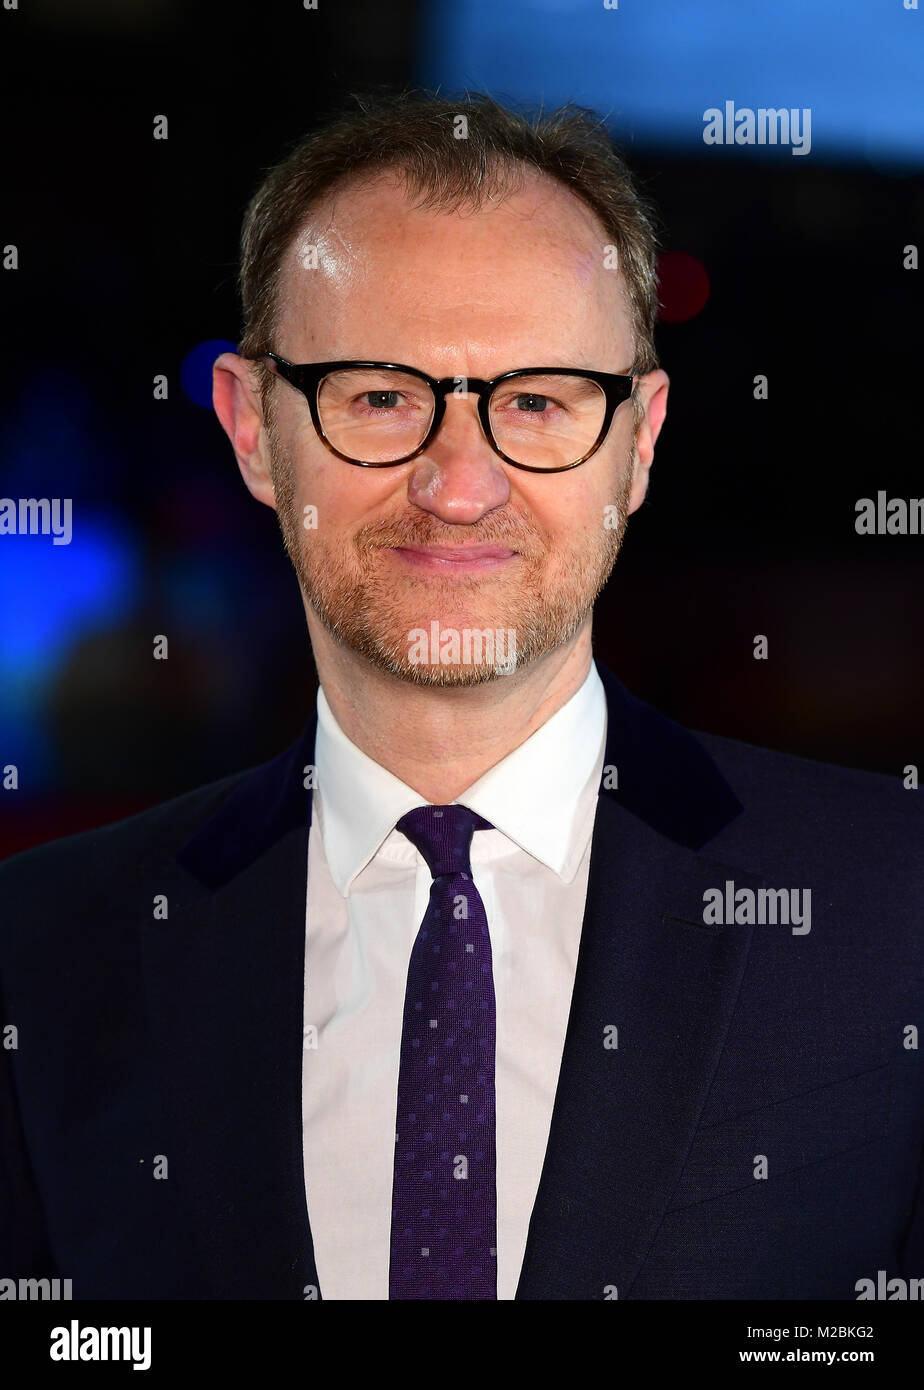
(368, 606)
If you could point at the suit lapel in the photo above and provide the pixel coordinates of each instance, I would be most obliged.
(225, 977)
(648, 967)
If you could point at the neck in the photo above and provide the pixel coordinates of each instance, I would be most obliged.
(441, 740)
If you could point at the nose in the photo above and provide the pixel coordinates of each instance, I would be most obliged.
(459, 478)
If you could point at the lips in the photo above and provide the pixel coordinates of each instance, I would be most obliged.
(453, 559)
(459, 554)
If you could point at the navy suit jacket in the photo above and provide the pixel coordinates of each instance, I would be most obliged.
(739, 1049)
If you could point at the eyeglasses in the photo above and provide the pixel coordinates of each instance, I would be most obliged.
(377, 414)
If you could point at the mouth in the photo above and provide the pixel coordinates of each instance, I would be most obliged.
(454, 559)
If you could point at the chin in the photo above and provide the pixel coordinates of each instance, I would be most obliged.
(445, 677)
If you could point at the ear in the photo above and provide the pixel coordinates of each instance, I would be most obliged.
(238, 407)
(653, 388)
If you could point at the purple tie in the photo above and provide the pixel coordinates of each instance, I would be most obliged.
(444, 1201)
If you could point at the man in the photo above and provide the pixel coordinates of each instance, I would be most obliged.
(498, 983)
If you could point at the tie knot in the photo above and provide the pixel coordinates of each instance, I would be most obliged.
(443, 834)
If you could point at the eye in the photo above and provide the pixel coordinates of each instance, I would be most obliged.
(529, 402)
(526, 403)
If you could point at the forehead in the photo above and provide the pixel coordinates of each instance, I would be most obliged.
(372, 273)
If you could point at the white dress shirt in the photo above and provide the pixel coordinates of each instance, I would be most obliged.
(368, 889)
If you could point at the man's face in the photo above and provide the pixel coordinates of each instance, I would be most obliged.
(520, 283)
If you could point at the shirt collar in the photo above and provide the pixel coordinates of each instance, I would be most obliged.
(542, 796)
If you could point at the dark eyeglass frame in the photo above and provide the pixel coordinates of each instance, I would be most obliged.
(307, 376)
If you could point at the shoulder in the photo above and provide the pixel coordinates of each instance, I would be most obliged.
(765, 775)
(853, 830)
(95, 861)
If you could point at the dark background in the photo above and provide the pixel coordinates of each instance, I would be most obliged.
(127, 262)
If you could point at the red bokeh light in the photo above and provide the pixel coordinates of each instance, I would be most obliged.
(683, 287)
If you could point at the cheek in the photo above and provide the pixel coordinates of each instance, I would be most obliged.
(568, 516)
(317, 474)
(346, 497)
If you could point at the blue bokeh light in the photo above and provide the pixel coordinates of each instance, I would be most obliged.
(196, 370)
(51, 595)
(652, 67)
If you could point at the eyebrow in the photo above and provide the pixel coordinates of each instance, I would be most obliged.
(555, 361)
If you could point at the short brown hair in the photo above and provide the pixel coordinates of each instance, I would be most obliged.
(412, 133)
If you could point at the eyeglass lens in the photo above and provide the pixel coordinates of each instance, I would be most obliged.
(378, 415)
